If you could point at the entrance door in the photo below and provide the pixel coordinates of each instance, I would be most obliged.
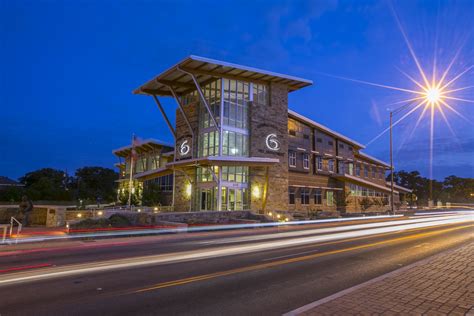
(206, 199)
(234, 199)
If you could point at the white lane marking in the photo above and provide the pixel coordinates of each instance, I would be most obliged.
(290, 255)
(187, 256)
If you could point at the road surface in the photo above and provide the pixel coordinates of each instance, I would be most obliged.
(246, 272)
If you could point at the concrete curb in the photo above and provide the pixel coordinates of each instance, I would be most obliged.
(334, 296)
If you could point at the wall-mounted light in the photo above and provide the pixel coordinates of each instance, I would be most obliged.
(100, 213)
(256, 191)
(79, 215)
(189, 189)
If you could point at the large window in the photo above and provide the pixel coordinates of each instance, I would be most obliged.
(236, 98)
(351, 168)
(292, 159)
(358, 170)
(306, 161)
(209, 144)
(164, 183)
(366, 171)
(235, 173)
(234, 144)
(318, 196)
(212, 93)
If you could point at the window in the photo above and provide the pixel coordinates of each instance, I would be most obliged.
(318, 197)
(306, 161)
(319, 140)
(236, 98)
(330, 198)
(358, 170)
(209, 144)
(304, 195)
(341, 167)
(292, 132)
(291, 195)
(373, 172)
(234, 144)
(331, 165)
(260, 94)
(341, 146)
(330, 143)
(292, 159)
(319, 163)
(164, 183)
(366, 171)
(235, 173)
(306, 136)
(349, 148)
(351, 168)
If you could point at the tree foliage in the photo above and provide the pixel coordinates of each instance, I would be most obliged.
(96, 183)
(47, 184)
(452, 189)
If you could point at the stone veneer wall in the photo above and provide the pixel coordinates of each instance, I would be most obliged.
(181, 199)
(266, 119)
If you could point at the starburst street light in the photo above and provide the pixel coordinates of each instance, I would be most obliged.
(434, 94)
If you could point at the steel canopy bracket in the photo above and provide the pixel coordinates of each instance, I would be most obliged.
(201, 95)
(163, 113)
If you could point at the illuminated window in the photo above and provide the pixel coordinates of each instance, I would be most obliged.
(306, 161)
(292, 159)
(351, 168)
(330, 198)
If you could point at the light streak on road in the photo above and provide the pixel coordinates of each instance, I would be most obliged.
(323, 230)
(186, 256)
(193, 229)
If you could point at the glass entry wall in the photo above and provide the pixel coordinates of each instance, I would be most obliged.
(228, 101)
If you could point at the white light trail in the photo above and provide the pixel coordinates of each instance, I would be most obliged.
(110, 265)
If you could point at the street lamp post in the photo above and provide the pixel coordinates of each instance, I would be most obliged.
(392, 112)
(392, 210)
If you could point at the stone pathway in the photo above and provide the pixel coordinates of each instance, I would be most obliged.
(440, 285)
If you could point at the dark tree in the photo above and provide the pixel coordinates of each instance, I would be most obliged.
(93, 183)
(47, 184)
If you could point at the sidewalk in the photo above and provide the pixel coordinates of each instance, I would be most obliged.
(440, 285)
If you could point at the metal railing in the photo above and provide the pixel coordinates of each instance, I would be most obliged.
(18, 231)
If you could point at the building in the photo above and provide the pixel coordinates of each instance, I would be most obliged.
(6, 183)
(238, 146)
(149, 161)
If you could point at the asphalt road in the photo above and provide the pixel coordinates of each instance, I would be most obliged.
(236, 273)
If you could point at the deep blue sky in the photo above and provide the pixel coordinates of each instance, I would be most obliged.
(68, 69)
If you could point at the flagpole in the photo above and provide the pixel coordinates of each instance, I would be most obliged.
(130, 183)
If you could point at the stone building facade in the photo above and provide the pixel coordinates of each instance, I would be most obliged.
(239, 147)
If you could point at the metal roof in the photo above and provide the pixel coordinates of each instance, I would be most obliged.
(206, 70)
(144, 146)
(369, 157)
(326, 129)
